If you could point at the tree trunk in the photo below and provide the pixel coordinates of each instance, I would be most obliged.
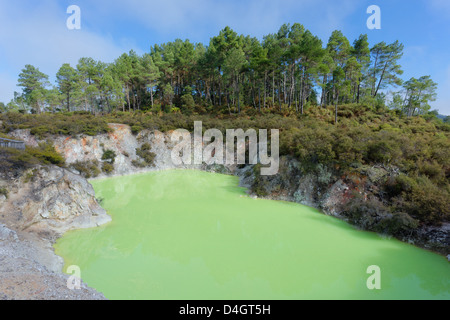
(151, 96)
(323, 99)
(302, 84)
(128, 97)
(265, 85)
(273, 88)
(374, 73)
(358, 90)
(220, 93)
(279, 94)
(381, 78)
(238, 98)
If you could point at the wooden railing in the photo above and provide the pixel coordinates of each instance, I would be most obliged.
(8, 143)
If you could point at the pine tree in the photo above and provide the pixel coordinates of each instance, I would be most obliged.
(34, 83)
(67, 79)
(385, 70)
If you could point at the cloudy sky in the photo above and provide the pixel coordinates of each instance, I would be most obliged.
(35, 32)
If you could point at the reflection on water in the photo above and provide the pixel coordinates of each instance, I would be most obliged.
(195, 235)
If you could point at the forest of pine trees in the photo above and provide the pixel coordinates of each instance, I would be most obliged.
(288, 69)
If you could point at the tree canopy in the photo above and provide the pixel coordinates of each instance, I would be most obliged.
(289, 69)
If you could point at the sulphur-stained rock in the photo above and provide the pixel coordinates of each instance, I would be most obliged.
(87, 148)
(53, 199)
(120, 140)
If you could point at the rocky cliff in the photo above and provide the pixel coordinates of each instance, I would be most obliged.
(38, 207)
(50, 199)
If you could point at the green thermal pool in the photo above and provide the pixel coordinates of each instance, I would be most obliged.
(187, 234)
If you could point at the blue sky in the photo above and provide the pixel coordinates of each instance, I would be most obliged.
(35, 32)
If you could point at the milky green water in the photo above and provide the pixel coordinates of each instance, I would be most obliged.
(196, 235)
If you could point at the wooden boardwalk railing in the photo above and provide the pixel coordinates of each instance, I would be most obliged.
(8, 143)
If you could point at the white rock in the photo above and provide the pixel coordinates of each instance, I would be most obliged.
(7, 234)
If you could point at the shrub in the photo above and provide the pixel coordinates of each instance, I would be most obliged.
(379, 152)
(87, 169)
(107, 167)
(138, 164)
(156, 108)
(136, 129)
(428, 203)
(146, 155)
(397, 185)
(373, 215)
(40, 131)
(399, 224)
(188, 103)
(109, 156)
(44, 124)
(432, 170)
(258, 186)
(4, 192)
(13, 160)
(46, 154)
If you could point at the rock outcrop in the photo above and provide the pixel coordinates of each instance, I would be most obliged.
(29, 270)
(53, 200)
(42, 204)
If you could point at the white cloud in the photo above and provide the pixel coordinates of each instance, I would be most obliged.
(37, 35)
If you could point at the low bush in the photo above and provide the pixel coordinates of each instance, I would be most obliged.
(146, 155)
(109, 156)
(373, 215)
(107, 168)
(4, 192)
(46, 154)
(44, 124)
(88, 169)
